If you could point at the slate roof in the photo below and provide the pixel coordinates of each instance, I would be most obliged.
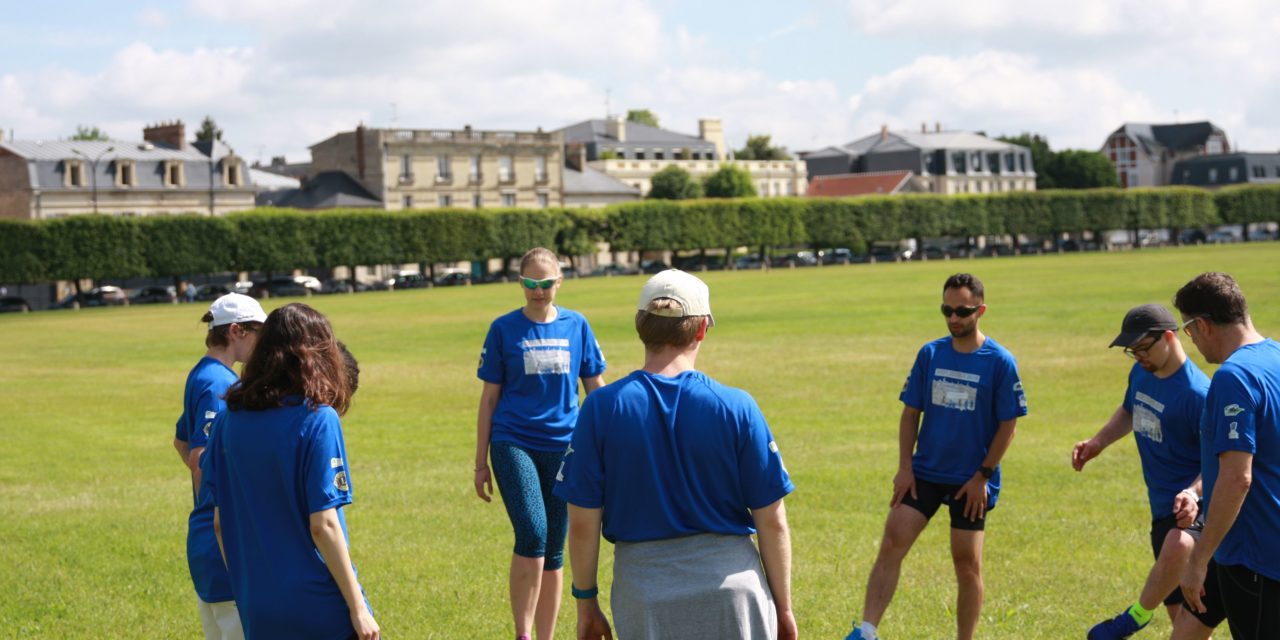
(1174, 137)
(858, 184)
(594, 182)
(327, 190)
(636, 133)
(46, 162)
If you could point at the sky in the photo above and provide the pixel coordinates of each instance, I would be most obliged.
(281, 75)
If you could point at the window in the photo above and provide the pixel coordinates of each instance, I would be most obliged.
(477, 202)
(993, 162)
(958, 162)
(506, 169)
(540, 168)
(444, 200)
(1259, 171)
(1022, 162)
(976, 159)
(508, 199)
(1133, 179)
(1213, 174)
(443, 171)
(126, 174)
(1009, 162)
(1133, 156)
(1186, 176)
(407, 203)
(232, 175)
(1233, 174)
(173, 174)
(697, 155)
(75, 173)
(406, 167)
(639, 155)
(1278, 171)
(473, 172)
(659, 155)
(543, 201)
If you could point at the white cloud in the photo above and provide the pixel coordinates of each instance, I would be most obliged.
(1000, 92)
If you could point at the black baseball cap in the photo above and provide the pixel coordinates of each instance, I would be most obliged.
(1143, 320)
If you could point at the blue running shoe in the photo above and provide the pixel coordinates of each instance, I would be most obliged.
(856, 634)
(1117, 628)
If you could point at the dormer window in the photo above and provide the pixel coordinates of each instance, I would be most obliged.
(232, 176)
(174, 174)
(126, 173)
(74, 173)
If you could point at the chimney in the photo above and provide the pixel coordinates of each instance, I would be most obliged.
(924, 127)
(937, 127)
(884, 132)
(360, 150)
(167, 134)
(576, 156)
(615, 127)
(711, 130)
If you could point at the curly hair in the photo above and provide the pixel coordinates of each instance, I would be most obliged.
(296, 355)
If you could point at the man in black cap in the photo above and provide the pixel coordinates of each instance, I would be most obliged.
(1162, 408)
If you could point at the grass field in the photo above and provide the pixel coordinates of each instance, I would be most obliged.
(93, 500)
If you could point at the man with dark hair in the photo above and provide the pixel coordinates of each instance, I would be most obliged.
(678, 470)
(1161, 406)
(968, 390)
(1239, 459)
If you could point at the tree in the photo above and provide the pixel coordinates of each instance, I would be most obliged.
(1079, 169)
(84, 132)
(731, 181)
(643, 116)
(758, 148)
(609, 154)
(1041, 156)
(674, 183)
(209, 130)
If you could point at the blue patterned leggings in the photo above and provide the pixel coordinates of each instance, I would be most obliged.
(525, 478)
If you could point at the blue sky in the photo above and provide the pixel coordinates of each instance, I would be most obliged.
(280, 75)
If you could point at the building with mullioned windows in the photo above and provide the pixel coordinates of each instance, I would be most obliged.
(1145, 154)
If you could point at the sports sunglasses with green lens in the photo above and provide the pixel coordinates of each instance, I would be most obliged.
(531, 284)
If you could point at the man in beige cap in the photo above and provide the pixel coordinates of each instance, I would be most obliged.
(678, 471)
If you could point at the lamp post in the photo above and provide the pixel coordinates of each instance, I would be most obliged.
(93, 169)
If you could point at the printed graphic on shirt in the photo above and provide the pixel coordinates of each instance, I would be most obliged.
(334, 463)
(1232, 410)
(957, 392)
(549, 356)
(208, 426)
(482, 352)
(1233, 430)
(1146, 416)
(1022, 396)
(340, 481)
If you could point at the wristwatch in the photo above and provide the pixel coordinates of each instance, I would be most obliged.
(986, 472)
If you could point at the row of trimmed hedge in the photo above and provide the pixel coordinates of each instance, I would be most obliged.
(277, 240)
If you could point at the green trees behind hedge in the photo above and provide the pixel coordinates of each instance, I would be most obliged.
(101, 247)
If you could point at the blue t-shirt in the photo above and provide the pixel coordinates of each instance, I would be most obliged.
(1242, 413)
(1166, 428)
(666, 457)
(267, 472)
(538, 365)
(964, 397)
(201, 404)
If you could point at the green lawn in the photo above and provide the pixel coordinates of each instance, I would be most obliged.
(93, 500)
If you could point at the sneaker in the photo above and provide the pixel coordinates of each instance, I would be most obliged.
(856, 634)
(1121, 626)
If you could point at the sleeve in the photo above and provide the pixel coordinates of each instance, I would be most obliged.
(210, 461)
(761, 475)
(490, 368)
(208, 407)
(1232, 413)
(914, 390)
(326, 483)
(180, 429)
(593, 363)
(1011, 400)
(1128, 392)
(580, 480)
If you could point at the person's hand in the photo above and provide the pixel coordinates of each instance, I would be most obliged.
(1192, 585)
(1084, 451)
(903, 483)
(1185, 509)
(787, 626)
(592, 625)
(484, 480)
(365, 626)
(974, 493)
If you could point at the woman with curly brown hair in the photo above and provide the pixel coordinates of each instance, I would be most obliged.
(277, 470)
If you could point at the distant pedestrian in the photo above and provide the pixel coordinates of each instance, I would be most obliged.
(190, 292)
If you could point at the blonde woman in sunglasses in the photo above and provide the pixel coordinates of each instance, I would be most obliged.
(532, 360)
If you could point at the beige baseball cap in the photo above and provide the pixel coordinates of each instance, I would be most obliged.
(685, 288)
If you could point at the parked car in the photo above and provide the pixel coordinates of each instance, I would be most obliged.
(14, 304)
(699, 263)
(611, 270)
(407, 280)
(106, 296)
(797, 259)
(653, 266)
(453, 279)
(1261, 235)
(207, 292)
(343, 285)
(882, 253)
(839, 255)
(1193, 236)
(749, 261)
(154, 295)
(285, 286)
(1221, 236)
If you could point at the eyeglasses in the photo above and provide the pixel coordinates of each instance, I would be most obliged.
(1186, 326)
(1134, 352)
(963, 312)
(531, 284)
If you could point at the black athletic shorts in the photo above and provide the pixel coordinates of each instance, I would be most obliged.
(1160, 529)
(932, 495)
(1214, 610)
(1253, 602)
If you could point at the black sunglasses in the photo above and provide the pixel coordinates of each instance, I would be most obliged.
(963, 312)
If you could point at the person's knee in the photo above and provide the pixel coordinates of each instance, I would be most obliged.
(1177, 546)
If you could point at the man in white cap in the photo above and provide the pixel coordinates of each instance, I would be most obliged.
(678, 471)
(234, 321)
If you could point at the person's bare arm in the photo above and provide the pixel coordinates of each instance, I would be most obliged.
(974, 492)
(326, 532)
(1118, 426)
(184, 450)
(484, 429)
(774, 538)
(591, 384)
(1235, 476)
(584, 560)
(908, 430)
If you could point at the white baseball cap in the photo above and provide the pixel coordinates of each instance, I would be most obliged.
(685, 288)
(235, 307)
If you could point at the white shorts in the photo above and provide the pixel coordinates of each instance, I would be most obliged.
(221, 620)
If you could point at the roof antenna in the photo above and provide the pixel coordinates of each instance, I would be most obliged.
(608, 109)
